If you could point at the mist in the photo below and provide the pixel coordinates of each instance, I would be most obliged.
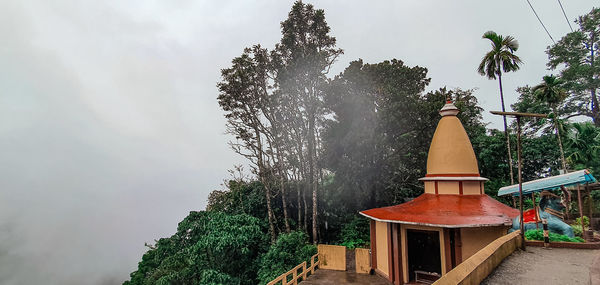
(110, 132)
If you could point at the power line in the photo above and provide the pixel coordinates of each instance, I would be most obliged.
(536, 15)
(566, 18)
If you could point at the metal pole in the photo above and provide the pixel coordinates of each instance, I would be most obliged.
(546, 238)
(591, 204)
(535, 211)
(520, 182)
(580, 210)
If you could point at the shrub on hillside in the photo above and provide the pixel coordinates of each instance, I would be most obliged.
(208, 248)
(288, 251)
(355, 233)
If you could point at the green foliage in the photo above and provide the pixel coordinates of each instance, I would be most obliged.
(577, 230)
(539, 235)
(583, 146)
(550, 91)
(208, 248)
(288, 251)
(371, 137)
(355, 233)
(573, 53)
(377, 141)
(586, 221)
(241, 198)
(501, 57)
(213, 277)
(528, 102)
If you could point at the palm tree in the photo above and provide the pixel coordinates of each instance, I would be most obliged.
(501, 58)
(551, 92)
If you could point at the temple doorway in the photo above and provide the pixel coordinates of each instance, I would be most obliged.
(423, 249)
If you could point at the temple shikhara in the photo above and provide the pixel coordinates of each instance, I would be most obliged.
(453, 219)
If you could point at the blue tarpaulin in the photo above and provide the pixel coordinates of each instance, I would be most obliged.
(549, 183)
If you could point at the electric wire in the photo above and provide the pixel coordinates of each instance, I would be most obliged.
(536, 15)
(566, 18)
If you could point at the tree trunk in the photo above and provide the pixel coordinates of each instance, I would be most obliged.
(560, 145)
(270, 215)
(282, 175)
(595, 110)
(286, 219)
(591, 206)
(311, 171)
(302, 185)
(299, 204)
(305, 210)
(510, 162)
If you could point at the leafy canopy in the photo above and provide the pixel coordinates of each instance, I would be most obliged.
(208, 248)
(290, 250)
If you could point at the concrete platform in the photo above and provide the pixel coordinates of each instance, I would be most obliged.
(332, 277)
(545, 266)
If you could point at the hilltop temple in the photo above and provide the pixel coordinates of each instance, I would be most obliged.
(452, 220)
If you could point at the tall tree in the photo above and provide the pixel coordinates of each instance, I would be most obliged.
(243, 96)
(551, 92)
(370, 137)
(577, 55)
(273, 104)
(303, 58)
(501, 58)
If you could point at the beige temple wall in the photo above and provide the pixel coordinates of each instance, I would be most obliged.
(453, 187)
(447, 187)
(472, 188)
(404, 244)
(381, 234)
(430, 187)
(332, 257)
(474, 239)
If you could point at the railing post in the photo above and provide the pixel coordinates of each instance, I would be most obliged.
(304, 271)
(295, 276)
(546, 239)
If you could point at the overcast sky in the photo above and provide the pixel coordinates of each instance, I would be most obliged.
(110, 132)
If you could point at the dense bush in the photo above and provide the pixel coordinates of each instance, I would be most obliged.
(577, 231)
(539, 235)
(288, 251)
(208, 248)
(355, 233)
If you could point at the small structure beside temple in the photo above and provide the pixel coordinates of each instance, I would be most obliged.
(428, 236)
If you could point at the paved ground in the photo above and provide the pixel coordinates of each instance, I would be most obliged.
(544, 266)
(332, 277)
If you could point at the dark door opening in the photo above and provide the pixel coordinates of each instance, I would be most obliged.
(423, 249)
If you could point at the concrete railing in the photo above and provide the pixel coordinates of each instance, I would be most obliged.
(335, 257)
(481, 264)
(332, 257)
(362, 260)
(283, 278)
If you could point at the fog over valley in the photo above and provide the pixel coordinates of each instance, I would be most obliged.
(110, 130)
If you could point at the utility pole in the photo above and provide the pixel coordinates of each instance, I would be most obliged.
(518, 116)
